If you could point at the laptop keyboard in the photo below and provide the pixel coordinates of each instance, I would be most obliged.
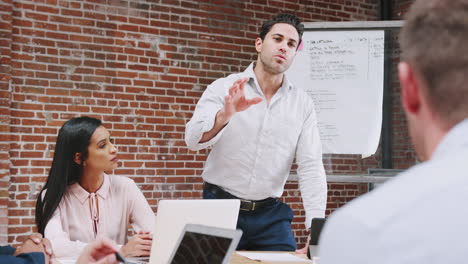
(140, 260)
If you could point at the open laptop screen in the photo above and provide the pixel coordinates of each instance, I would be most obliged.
(200, 244)
(173, 215)
(199, 248)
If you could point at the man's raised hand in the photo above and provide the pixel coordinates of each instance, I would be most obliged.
(236, 101)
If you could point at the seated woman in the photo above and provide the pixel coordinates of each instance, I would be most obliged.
(80, 202)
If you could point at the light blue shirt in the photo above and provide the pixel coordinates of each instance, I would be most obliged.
(420, 216)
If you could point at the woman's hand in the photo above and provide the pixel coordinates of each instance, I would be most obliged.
(138, 246)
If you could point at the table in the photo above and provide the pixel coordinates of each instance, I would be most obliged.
(238, 259)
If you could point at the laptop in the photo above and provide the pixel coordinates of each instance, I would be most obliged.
(199, 244)
(315, 230)
(173, 215)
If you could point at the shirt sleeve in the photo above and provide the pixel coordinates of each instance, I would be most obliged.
(25, 258)
(142, 217)
(60, 240)
(203, 118)
(311, 173)
(345, 239)
(7, 250)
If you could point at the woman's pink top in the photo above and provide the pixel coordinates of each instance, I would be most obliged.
(79, 219)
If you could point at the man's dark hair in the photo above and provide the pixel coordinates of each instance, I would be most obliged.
(286, 19)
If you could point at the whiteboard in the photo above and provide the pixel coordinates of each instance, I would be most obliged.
(343, 72)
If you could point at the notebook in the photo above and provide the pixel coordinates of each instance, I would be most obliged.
(199, 244)
(173, 215)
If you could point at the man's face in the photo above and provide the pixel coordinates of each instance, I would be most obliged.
(278, 49)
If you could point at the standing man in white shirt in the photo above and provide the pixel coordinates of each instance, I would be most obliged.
(257, 122)
(420, 216)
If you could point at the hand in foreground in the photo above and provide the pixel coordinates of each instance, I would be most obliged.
(36, 243)
(101, 251)
(236, 101)
(138, 246)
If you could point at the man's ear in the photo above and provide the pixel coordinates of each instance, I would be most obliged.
(258, 44)
(77, 159)
(410, 88)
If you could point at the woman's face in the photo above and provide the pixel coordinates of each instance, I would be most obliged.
(102, 154)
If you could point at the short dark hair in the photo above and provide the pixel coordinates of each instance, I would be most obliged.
(286, 19)
(433, 41)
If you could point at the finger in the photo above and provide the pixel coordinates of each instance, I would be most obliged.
(107, 244)
(139, 237)
(235, 90)
(239, 81)
(109, 259)
(228, 100)
(243, 80)
(301, 251)
(232, 89)
(36, 238)
(103, 246)
(47, 246)
(146, 237)
(242, 83)
(145, 247)
(146, 243)
(253, 101)
(143, 253)
(143, 234)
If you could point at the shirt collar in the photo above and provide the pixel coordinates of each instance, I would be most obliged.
(83, 195)
(249, 72)
(453, 140)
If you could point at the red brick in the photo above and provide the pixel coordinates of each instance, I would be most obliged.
(143, 75)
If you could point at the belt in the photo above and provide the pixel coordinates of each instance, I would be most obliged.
(245, 205)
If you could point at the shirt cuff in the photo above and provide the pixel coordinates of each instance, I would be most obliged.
(311, 214)
(33, 257)
(206, 125)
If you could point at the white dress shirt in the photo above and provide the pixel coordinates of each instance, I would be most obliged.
(420, 216)
(251, 156)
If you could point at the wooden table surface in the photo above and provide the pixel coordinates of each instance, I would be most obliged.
(239, 259)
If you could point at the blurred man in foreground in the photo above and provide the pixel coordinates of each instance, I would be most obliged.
(417, 217)
(37, 250)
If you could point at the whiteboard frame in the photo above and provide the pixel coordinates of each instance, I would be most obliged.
(353, 25)
(386, 134)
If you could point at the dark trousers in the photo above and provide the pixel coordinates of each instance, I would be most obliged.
(265, 229)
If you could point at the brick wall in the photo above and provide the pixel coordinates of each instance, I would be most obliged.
(400, 7)
(404, 155)
(5, 93)
(140, 66)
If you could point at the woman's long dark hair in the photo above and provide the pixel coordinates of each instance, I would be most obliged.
(73, 137)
